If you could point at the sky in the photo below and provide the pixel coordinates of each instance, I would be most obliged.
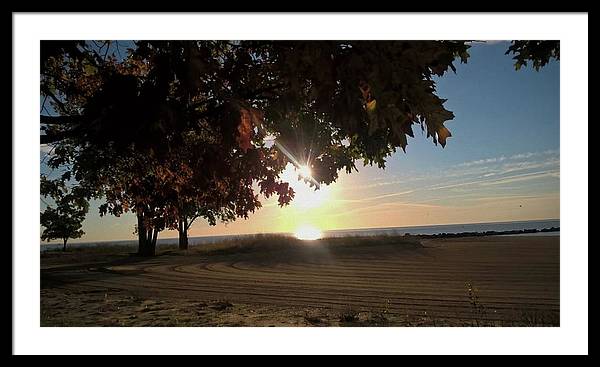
(502, 163)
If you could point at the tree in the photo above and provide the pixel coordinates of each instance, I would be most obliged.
(63, 221)
(156, 174)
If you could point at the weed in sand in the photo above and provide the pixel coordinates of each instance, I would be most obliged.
(221, 305)
(479, 310)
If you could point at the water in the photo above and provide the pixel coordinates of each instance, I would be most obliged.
(426, 230)
(449, 228)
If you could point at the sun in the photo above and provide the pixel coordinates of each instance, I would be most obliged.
(310, 210)
(308, 233)
(305, 196)
(305, 172)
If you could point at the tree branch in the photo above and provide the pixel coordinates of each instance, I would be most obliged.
(59, 120)
(191, 221)
(43, 104)
(60, 104)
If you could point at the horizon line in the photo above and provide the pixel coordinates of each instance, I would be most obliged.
(325, 230)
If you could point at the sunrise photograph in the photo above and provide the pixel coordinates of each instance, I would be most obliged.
(242, 183)
(300, 183)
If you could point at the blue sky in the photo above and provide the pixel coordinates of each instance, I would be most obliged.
(501, 163)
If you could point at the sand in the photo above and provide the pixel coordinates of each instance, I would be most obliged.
(478, 281)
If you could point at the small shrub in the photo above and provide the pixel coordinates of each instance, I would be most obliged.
(349, 315)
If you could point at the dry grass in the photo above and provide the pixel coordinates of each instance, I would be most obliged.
(279, 242)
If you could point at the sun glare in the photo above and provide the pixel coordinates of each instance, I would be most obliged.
(305, 172)
(305, 196)
(308, 233)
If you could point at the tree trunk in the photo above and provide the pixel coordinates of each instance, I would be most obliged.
(183, 240)
(148, 247)
(65, 244)
(152, 249)
(183, 235)
(141, 229)
(146, 238)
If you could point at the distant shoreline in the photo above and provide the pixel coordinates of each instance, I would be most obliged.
(488, 233)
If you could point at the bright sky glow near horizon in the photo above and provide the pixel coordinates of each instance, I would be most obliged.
(502, 163)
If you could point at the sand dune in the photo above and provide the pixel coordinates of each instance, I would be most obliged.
(468, 281)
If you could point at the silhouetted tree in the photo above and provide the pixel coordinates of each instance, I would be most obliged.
(63, 221)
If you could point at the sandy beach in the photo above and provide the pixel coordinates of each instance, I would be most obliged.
(473, 281)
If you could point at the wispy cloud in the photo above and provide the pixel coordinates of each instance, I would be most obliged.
(524, 177)
(378, 197)
(514, 197)
(503, 158)
(481, 168)
(389, 182)
(482, 161)
(489, 42)
(475, 179)
(498, 181)
(385, 206)
(522, 166)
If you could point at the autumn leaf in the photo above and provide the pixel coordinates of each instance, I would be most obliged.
(443, 133)
(371, 105)
(244, 130)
